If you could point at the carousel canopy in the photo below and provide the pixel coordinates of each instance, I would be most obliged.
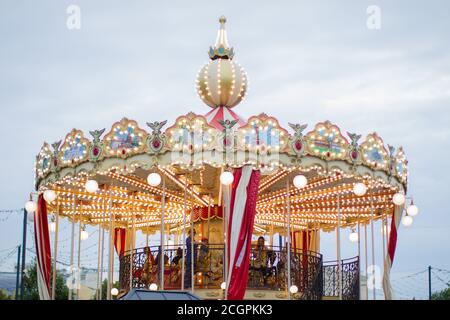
(191, 153)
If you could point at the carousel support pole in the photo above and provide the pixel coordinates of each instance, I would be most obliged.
(338, 247)
(183, 257)
(373, 255)
(161, 245)
(111, 250)
(133, 238)
(102, 257)
(209, 216)
(288, 239)
(366, 264)
(225, 233)
(55, 253)
(79, 258)
(98, 261)
(72, 241)
(359, 257)
(192, 248)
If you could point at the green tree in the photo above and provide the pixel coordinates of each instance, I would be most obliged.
(30, 284)
(441, 295)
(4, 295)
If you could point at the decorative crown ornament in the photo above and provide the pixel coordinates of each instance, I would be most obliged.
(221, 82)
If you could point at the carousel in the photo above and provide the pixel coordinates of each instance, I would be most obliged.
(237, 206)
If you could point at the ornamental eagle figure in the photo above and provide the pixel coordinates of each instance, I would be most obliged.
(298, 128)
(156, 126)
(227, 124)
(355, 137)
(96, 134)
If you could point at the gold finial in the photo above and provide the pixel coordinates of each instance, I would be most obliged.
(222, 19)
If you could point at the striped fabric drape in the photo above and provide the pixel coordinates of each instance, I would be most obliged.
(43, 252)
(244, 193)
(119, 240)
(392, 245)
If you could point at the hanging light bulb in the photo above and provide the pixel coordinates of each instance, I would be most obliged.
(223, 285)
(226, 178)
(359, 189)
(293, 289)
(30, 206)
(399, 199)
(412, 210)
(153, 287)
(91, 186)
(114, 291)
(300, 181)
(353, 236)
(407, 221)
(49, 196)
(52, 225)
(84, 234)
(154, 179)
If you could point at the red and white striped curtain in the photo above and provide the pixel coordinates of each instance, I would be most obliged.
(43, 253)
(120, 240)
(241, 202)
(392, 245)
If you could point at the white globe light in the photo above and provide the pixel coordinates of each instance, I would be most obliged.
(399, 199)
(84, 235)
(226, 178)
(91, 186)
(223, 285)
(49, 196)
(300, 181)
(52, 227)
(154, 179)
(293, 289)
(30, 206)
(412, 210)
(407, 221)
(114, 291)
(353, 236)
(359, 189)
(153, 287)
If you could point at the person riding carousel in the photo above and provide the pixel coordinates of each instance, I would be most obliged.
(260, 263)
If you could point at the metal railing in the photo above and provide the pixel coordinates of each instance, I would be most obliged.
(349, 279)
(267, 269)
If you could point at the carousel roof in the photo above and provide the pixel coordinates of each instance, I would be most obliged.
(191, 153)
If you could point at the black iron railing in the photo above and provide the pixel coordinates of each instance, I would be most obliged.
(267, 269)
(349, 279)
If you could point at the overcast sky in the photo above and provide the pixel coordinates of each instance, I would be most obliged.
(306, 62)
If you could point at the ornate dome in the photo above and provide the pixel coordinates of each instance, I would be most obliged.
(221, 82)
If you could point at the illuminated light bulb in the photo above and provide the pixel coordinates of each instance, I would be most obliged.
(399, 199)
(353, 236)
(30, 206)
(359, 189)
(49, 196)
(300, 181)
(84, 235)
(153, 287)
(226, 178)
(52, 226)
(91, 186)
(412, 210)
(223, 285)
(293, 289)
(407, 221)
(114, 291)
(154, 179)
